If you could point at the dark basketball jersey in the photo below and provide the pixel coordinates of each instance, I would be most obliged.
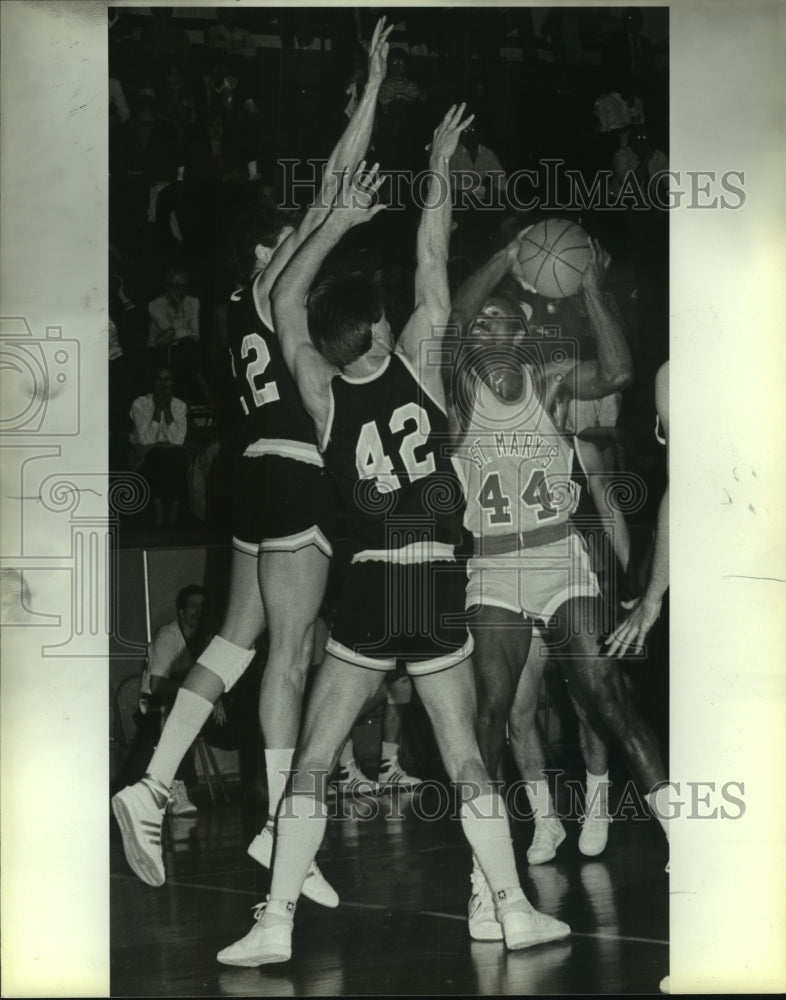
(384, 449)
(274, 419)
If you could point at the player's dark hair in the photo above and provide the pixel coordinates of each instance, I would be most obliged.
(252, 222)
(192, 590)
(341, 312)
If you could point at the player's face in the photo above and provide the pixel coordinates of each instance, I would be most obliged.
(382, 334)
(193, 611)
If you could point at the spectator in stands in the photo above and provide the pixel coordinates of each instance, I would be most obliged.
(158, 435)
(174, 332)
(171, 654)
(398, 115)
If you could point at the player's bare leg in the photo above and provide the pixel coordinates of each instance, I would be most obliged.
(339, 694)
(449, 697)
(502, 641)
(530, 757)
(599, 683)
(292, 586)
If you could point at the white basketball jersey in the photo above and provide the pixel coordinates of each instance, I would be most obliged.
(514, 464)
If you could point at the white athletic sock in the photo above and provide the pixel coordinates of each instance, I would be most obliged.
(301, 827)
(485, 825)
(540, 799)
(597, 800)
(659, 804)
(278, 764)
(389, 751)
(347, 755)
(189, 713)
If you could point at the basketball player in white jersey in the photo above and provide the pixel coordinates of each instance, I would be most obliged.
(380, 418)
(527, 564)
(282, 537)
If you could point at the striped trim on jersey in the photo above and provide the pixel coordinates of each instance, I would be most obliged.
(417, 552)
(289, 543)
(298, 450)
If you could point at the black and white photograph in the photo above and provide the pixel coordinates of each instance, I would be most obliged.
(385, 629)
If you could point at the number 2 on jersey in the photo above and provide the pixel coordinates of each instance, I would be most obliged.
(268, 391)
(372, 462)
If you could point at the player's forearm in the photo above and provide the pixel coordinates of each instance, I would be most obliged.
(288, 297)
(659, 573)
(351, 147)
(434, 230)
(615, 364)
(468, 301)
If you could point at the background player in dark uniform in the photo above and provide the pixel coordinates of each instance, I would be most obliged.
(380, 418)
(281, 548)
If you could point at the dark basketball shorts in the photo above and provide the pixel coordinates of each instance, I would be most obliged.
(281, 505)
(412, 612)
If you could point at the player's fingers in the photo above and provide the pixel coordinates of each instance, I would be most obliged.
(464, 124)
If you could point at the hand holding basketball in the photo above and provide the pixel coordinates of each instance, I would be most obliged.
(595, 271)
(553, 256)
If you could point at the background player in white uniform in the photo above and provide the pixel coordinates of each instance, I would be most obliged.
(593, 510)
(380, 416)
(528, 565)
(280, 584)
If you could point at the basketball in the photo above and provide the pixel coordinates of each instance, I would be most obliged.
(553, 255)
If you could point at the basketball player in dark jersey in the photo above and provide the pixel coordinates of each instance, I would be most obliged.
(380, 419)
(527, 564)
(282, 537)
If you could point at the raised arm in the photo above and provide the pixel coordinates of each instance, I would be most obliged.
(432, 298)
(613, 370)
(347, 154)
(311, 370)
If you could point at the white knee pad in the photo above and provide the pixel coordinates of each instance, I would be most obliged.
(226, 660)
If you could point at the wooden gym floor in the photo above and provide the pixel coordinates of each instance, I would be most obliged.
(401, 926)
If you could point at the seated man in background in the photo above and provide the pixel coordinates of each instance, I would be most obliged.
(173, 651)
(158, 435)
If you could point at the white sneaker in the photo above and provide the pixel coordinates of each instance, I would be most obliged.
(549, 834)
(263, 944)
(352, 781)
(594, 835)
(522, 925)
(179, 803)
(316, 887)
(483, 923)
(140, 821)
(665, 985)
(393, 775)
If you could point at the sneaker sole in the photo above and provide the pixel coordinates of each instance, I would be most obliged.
(517, 942)
(594, 852)
(547, 857)
(137, 857)
(254, 960)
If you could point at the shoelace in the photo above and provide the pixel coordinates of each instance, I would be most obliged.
(258, 910)
(599, 819)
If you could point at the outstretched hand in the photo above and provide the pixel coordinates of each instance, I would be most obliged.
(596, 270)
(378, 53)
(629, 636)
(356, 201)
(448, 133)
